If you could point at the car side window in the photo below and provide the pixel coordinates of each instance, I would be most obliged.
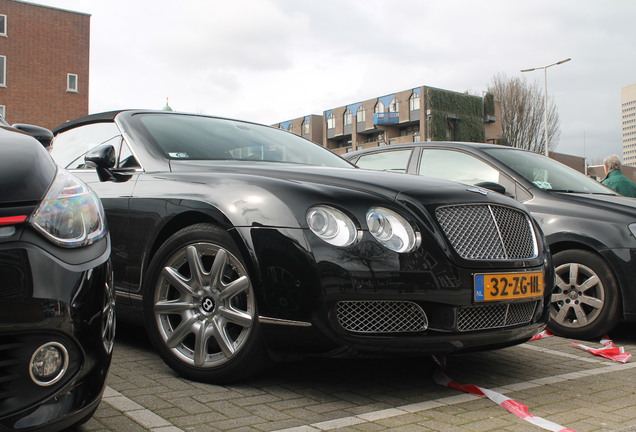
(461, 167)
(126, 159)
(68, 148)
(390, 160)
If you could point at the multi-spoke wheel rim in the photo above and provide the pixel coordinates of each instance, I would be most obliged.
(578, 297)
(108, 319)
(203, 305)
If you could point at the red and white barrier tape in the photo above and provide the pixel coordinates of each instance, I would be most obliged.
(543, 334)
(609, 350)
(516, 408)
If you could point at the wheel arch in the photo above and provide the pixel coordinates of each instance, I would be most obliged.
(189, 218)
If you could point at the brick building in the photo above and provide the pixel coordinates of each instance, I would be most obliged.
(418, 114)
(44, 63)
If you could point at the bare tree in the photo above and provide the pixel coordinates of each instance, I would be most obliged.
(522, 111)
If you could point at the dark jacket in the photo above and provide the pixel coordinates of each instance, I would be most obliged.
(617, 181)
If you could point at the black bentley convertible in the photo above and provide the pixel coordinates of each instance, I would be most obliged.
(238, 243)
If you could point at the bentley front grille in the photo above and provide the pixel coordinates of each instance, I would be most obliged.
(379, 316)
(488, 232)
(488, 316)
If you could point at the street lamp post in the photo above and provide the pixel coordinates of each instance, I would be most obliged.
(545, 83)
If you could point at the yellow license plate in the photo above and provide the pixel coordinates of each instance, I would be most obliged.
(508, 286)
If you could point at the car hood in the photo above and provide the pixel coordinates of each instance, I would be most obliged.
(26, 169)
(389, 185)
(605, 203)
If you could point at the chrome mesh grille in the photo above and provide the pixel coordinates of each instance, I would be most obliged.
(378, 316)
(488, 232)
(496, 315)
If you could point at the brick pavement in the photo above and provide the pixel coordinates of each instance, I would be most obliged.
(555, 380)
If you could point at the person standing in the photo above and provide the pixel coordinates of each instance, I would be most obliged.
(615, 179)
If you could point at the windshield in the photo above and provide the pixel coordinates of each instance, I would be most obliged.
(547, 173)
(190, 137)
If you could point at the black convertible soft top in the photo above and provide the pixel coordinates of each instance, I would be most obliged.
(91, 118)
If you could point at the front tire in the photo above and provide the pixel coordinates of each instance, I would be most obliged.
(586, 301)
(199, 307)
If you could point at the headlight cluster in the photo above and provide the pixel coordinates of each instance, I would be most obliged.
(332, 225)
(388, 228)
(70, 214)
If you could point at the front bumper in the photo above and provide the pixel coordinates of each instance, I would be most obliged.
(328, 301)
(49, 300)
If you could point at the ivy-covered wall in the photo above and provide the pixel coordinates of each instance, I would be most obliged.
(465, 111)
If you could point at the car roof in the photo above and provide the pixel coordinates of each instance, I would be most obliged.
(452, 144)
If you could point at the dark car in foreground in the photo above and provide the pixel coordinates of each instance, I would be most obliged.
(237, 243)
(56, 296)
(590, 229)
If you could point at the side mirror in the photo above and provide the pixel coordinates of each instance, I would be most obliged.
(495, 187)
(41, 134)
(103, 158)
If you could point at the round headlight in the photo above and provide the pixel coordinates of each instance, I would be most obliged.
(332, 225)
(392, 230)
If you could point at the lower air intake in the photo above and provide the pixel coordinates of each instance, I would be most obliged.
(378, 316)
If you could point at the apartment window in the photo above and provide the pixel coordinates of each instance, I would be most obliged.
(3, 111)
(347, 117)
(331, 121)
(414, 102)
(379, 107)
(3, 71)
(394, 106)
(3, 25)
(71, 83)
(361, 115)
(306, 127)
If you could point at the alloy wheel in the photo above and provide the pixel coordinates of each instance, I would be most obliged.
(578, 297)
(203, 305)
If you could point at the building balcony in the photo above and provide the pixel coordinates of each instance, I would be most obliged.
(386, 118)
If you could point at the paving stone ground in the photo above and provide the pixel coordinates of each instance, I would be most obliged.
(555, 380)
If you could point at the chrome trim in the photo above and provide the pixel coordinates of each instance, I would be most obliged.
(278, 321)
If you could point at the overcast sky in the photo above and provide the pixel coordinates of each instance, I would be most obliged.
(274, 60)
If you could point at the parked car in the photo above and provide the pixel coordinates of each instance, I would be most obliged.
(590, 229)
(237, 243)
(56, 294)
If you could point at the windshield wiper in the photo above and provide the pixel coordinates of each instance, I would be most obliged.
(563, 190)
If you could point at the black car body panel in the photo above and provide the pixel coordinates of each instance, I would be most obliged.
(589, 217)
(298, 279)
(49, 295)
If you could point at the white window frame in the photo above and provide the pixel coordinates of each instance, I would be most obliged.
(361, 114)
(394, 106)
(70, 89)
(331, 121)
(414, 102)
(4, 19)
(347, 117)
(3, 111)
(3, 71)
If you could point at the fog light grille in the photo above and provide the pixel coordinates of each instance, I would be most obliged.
(379, 316)
(498, 315)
